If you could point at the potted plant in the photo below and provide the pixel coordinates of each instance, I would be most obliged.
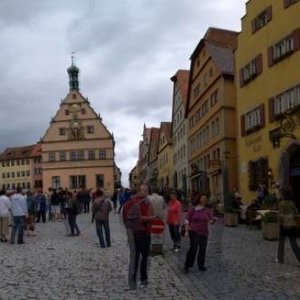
(270, 225)
(231, 213)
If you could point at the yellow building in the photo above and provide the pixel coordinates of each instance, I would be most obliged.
(211, 115)
(268, 96)
(165, 157)
(77, 148)
(21, 166)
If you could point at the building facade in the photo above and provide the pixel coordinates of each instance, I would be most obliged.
(152, 158)
(21, 166)
(77, 148)
(179, 131)
(165, 157)
(268, 96)
(211, 115)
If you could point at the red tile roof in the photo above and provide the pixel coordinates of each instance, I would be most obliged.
(21, 152)
(182, 78)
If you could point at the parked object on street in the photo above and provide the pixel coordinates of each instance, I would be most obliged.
(270, 225)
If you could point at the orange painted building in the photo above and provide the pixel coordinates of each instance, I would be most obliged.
(77, 148)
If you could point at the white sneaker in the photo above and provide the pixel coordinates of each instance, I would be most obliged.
(176, 250)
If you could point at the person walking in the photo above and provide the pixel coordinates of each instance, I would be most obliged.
(158, 203)
(287, 225)
(73, 211)
(5, 208)
(41, 204)
(19, 212)
(101, 208)
(174, 211)
(196, 227)
(114, 200)
(137, 216)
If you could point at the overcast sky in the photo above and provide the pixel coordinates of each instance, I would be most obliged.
(126, 50)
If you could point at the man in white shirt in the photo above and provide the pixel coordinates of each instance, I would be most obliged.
(19, 212)
(5, 207)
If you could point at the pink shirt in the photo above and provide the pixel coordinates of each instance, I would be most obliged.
(174, 212)
(198, 219)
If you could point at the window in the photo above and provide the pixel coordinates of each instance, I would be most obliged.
(77, 181)
(251, 70)
(3, 175)
(13, 174)
(62, 155)
(27, 162)
(22, 162)
(12, 163)
(102, 154)
(23, 173)
(288, 3)
(83, 111)
(214, 98)
(262, 19)
(284, 47)
(18, 162)
(7, 175)
(18, 174)
(100, 180)
(90, 129)
(52, 156)
(7, 163)
(3, 164)
(283, 102)
(73, 155)
(35, 171)
(253, 120)
(62, 131)
(66, 112)
(56, 182)
(91, 154)
(80, 154)
(27, 173)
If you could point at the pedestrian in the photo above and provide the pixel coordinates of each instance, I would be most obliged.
(101, 208)
(73, 211)
(41, 206)
(123, 198)
(158, 203)
(19, 212)
(84, 200)
(137, 215)
(114, 200)
(54, 205)
(174, 211)
(196, 227)
(287, 225)
(5, 208)
(31, 205)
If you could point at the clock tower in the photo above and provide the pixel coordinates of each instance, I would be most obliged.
(77, 148)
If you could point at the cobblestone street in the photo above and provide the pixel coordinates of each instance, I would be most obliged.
(51, 266)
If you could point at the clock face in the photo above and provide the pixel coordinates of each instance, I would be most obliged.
(76, 124)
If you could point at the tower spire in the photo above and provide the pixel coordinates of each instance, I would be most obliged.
(73, 72)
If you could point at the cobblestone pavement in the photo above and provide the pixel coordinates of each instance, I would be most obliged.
(51, 266)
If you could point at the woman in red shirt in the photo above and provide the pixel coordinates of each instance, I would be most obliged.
(196, 226)
(173, 219)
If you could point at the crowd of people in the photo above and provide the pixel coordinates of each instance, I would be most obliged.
(138, 208)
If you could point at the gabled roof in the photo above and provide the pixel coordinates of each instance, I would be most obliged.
(217, 37)
(182, 78)
(21, 152)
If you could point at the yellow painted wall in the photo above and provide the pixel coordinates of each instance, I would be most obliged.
(272, 81)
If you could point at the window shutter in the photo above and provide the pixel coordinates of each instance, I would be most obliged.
(243, 131)
(269, 13)
(262, 115)
(270, 56)
(259, 64)
(271, 110)
(242, 83)
(296, 38)
(253, 26)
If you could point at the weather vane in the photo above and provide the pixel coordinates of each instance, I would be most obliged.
(73, 57)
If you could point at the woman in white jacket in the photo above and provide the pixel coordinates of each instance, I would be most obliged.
(5, 208)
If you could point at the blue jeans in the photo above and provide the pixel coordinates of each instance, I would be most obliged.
(18, 224)
(100, 225)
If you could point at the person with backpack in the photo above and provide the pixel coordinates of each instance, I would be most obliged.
(101, 208)
(137, 217)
